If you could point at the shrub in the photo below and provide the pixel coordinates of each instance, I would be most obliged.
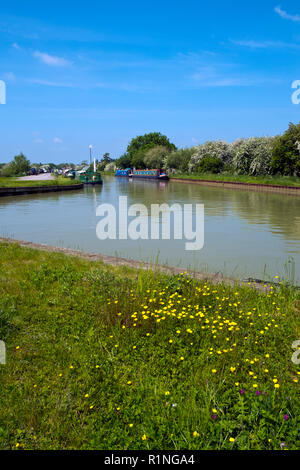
(180, 159)
(156, 156)
(286, 152)
(18, 166)
(124, 161)
(219, 149)
(210, 164)
(253, 156)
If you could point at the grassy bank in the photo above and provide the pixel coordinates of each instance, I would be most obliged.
(268, 180)
(6, 182)
(102, 357)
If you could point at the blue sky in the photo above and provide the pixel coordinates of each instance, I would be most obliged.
(101, 73)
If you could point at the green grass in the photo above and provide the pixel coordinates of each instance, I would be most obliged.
(102, 357)
(10, 182)
(268, 180)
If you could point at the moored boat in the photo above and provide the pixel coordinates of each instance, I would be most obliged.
(91, 177)
(125, 172)
(156, 174)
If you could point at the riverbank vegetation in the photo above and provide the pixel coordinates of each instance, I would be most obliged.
(267, 179)
(9, 182)
(255, 157)
(266, 160)
(103, 357)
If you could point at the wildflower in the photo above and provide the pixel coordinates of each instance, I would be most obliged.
(130, 425)
(144, 437)
(86, 395)
(231, 439)
(195, 434)
(242, 392)
(276, 385)
(214, 416)
(285, 417)
(167, 393)
(214, 371)
(257, 393)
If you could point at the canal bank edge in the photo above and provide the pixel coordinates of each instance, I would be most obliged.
(290, 190)
(216, 278)
(18, 191)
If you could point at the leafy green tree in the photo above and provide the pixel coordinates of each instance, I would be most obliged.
(137, 159)
(18, 166)
(210, 164)
(124, 161)
(286, 152)
(147, 141)
(106, 159)
(180, 159)
(156, 156)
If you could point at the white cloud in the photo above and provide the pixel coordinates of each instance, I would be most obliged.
(265, 44)
(38, 141)
(16, 46)
(51, 59)
(286, 15)
(57, 140)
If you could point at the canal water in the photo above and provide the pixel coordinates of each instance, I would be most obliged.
(246, 233)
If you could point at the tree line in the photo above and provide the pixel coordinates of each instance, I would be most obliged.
(253, 156)
(279, 155)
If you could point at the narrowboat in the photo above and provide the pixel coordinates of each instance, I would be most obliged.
(125, 172)
(156, 174)
(91, 177)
